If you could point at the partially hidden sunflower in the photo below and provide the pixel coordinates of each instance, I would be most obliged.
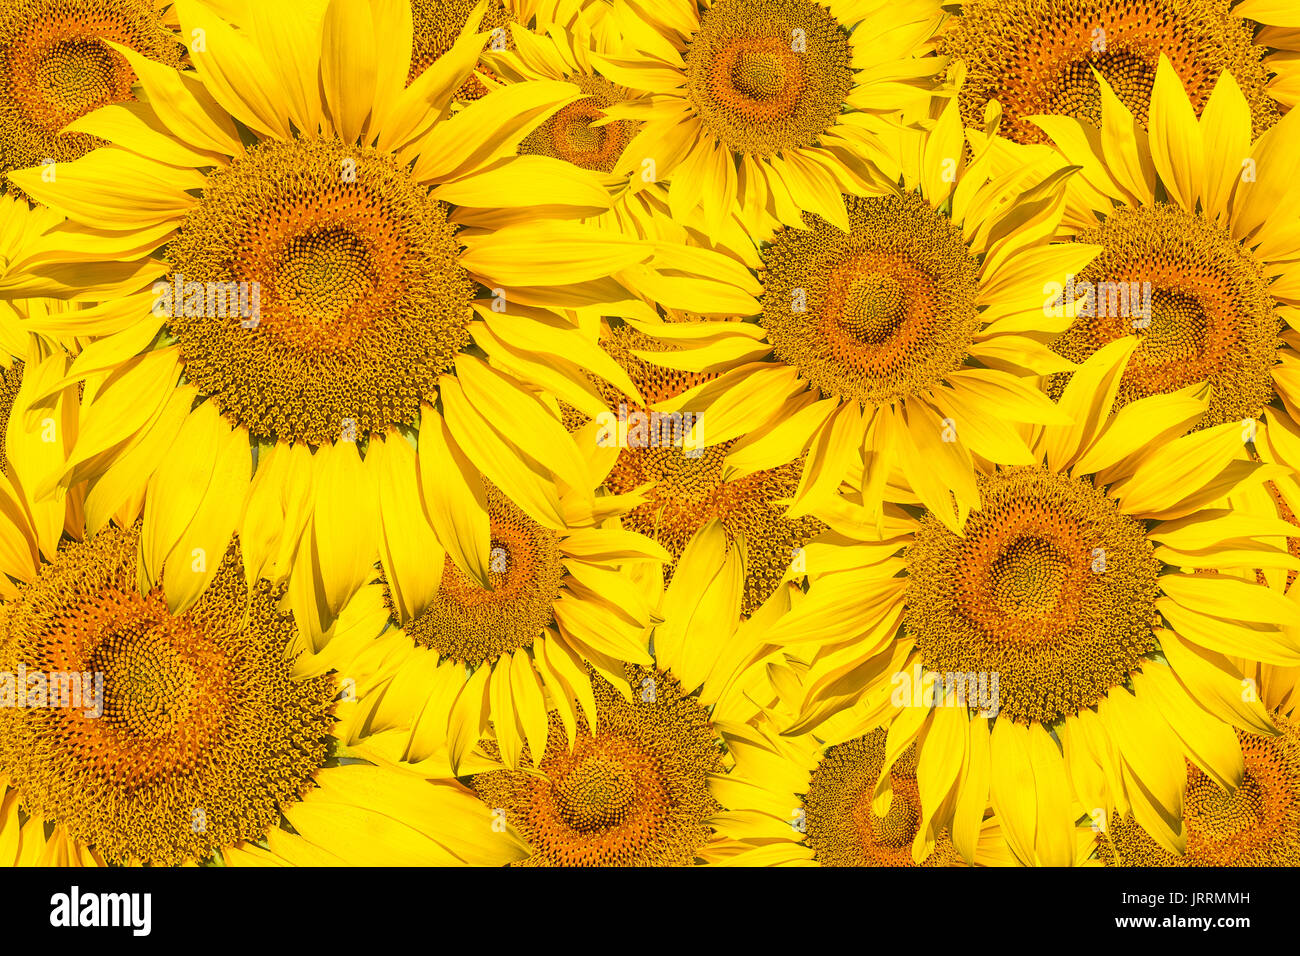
(1191, 218)
(629, 788)
(634, 786)
(1256, 823)
(556, 603)
(1072, 646)
(767, 107)
(615, 767)
(662, 458)
(527, 26)
(1039, 57)
(58, 63)
(137, 736)
(579, 133)
(300, 264)
(901, 344)
(798, 801)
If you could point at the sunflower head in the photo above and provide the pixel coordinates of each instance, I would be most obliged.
(350, 298)
(571, 135)
(686, 487)
(768, 75)
(1198, 302)
(189, 734)
(841, 826)
(631, 792)
(1050, 586)
(437, 26)
(56, 66)
(473, 625)
(876, 314)
(1039, 57)
(1257, 824)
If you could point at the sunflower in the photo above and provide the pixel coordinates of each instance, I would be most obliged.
(1070, 647)
(629, 789)
(799, 801)
(908, 336)
(766, 107)
(58, 63)
(682, 484)
(556, 602)
(1038, 57)
(578, 133)
(1186, 216)
(527, 26)
(1257, 823)
(283, 291)
(635, 785)
(190, 740)
(612, 768)
(437, 24)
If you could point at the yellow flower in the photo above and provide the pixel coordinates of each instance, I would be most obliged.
(633, 791)
(503, 651)
(578, 133)
(765, 108)
(1257, 823)
(298, 257)
(184, 738)
(1067, 651)
(682, 484)
(1041, 57)
(59, 63)
(1187, 214)
(799, 801)
(593, 763)
(907, 334)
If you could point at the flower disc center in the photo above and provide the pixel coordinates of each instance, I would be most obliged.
(596, 794)
(1028, 577)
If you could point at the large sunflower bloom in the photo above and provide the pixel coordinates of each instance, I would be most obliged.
(196, 741)
(1093, 595)
(1188, 214)
(1045, 56)
(909, 336)
(374, 292)
(765, 106)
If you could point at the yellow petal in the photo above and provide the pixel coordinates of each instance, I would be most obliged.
(1177, 149)
(345, 523)
(408, 547)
